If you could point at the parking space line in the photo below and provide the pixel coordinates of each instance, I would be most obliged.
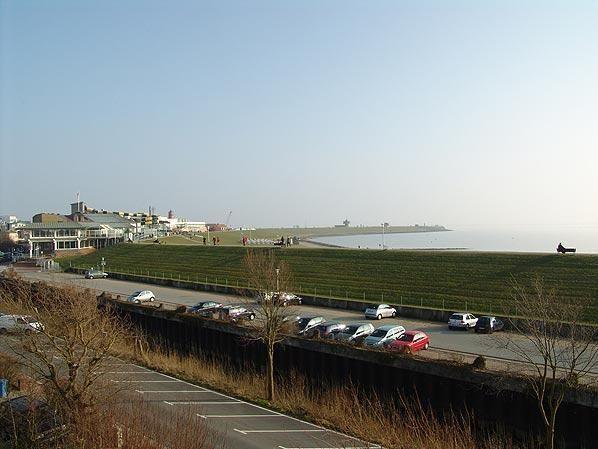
(241, 416)
(200, 402)
(343, 447)
(245, 432)
(172, 391)
(141, 381)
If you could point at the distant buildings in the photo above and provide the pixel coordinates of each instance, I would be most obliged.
(86, 227)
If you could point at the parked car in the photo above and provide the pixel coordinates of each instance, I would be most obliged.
(325, 330)
(205, 308)
(355, 332)
(19, 323)
(26, 419)
(380, 311)
(306, 323)
(488, 324)
(462, 320)
(92, 274)
(285, 299)
(141, 296)
(384, 335)
(410, 342)
(235, 313)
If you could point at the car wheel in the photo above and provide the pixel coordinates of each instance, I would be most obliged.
(450, 327)
(394, 314)
(252, 317)
(427, 345)
(152, 299)
(90, 277)
(3, 331)
(379, 316)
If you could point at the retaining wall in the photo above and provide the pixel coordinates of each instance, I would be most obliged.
(441, 385)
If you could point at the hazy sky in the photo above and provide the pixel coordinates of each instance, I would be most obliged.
(303, 112)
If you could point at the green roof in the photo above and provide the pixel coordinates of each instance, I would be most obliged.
(60, 225)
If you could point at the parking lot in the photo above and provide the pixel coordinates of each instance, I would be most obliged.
(245, 425)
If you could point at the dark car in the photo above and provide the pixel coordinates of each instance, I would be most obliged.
(488, 324)
(205, 308)
(235, 313)
(325, 330)
(27, 420)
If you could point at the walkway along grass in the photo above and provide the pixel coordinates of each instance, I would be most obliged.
(445, 280)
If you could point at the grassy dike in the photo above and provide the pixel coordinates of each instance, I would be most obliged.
(454, 280)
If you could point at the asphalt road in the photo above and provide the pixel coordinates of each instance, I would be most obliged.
(242, 424)
(448, 344)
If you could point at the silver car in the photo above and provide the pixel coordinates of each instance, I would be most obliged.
(355, 332)
(19, 323)
(380, 311)
(384, 335)
(306, 323)
(141, 296)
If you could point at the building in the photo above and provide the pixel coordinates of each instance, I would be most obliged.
(7, 221)
(46, 217)
(54, 237)
(213, 227)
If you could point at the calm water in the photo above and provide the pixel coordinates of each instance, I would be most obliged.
(517, 239)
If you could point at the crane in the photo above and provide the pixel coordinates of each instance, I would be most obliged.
(228, 218)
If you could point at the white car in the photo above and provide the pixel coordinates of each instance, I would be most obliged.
(19, 323)
(462, 320)
(380, 311)
(142, 296)
(384, 335)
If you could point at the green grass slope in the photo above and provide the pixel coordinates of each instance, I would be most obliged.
(479, 281)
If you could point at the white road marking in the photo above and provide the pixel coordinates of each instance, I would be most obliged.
(343, 447)
(141, 381)
(172, 391)
(245, 432)
(200, 402)
(241, 416)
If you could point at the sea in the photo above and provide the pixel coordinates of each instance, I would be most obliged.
(528, 239)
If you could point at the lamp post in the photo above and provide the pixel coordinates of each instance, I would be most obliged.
(277, 272)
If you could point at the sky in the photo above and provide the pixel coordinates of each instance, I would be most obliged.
(304, 113)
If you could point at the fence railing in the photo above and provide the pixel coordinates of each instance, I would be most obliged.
(479, 306)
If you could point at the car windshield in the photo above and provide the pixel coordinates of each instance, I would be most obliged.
(406, 337)
(456, 316)
(350, 329)
(29, 319)
(303, 321)
(484, 320)
(136, 293)
(379, 333)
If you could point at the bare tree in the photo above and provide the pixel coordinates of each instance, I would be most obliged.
(68, 351)
(269, 277)
(550, 336)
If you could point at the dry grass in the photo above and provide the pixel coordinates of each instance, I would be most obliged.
(406, 424)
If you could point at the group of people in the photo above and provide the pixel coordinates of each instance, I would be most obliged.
(215, 240)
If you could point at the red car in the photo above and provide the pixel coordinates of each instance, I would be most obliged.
(410, 342)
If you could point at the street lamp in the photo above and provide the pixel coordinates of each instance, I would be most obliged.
(277, 272)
